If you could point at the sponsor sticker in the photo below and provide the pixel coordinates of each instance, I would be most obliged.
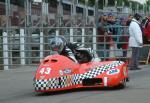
(65, 71)
(113, 71)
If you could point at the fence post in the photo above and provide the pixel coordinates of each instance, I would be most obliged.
(71, 34)
(5, 51)
(94, 39)
(57, 32)
(22, 46)
(83, 35)
(41, 45)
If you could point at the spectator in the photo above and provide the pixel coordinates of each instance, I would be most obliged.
(111, 27)
(101, 35)
(111, 19)
(135, 41)
(146, 30)
(129, 20)
(123, 44)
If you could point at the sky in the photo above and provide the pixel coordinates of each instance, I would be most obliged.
(140, 1)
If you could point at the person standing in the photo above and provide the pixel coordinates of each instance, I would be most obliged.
(135, 41)
(130, 17)
(146, 30)
(102, 32)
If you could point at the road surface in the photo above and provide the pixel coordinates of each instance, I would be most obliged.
(16, 86)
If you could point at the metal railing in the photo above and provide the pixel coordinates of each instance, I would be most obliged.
(27, 46)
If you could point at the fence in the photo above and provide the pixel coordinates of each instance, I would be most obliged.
(27, 46)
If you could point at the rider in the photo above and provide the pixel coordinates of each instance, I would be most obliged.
(59, 44)
(72, 50)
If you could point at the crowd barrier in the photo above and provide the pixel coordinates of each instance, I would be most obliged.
(145, 54)
(27, 46)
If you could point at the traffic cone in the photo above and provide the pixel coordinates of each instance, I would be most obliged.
(112, 50)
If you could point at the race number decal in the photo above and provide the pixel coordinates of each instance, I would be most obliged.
(45, 70)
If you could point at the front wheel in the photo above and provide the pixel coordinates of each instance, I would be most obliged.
(122, 85)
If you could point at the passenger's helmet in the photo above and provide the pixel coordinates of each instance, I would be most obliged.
(56, 44)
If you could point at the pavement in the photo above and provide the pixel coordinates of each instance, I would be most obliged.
(16, 86)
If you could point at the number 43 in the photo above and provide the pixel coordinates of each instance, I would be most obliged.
(45, 70)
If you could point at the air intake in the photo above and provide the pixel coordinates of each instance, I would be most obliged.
(91, 81)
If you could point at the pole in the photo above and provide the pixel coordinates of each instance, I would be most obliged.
(5, 51)
(86, 13)
(7, 7)
(96, 12)
(95, 28)
(41, 45)
(5, 36)
(22, 46)
(59, 17)
(73, 20)
(94, 39)
(83, 35)
(73, 12)
(59, 13)
(28, 24)
(71, 34)
(106, 3)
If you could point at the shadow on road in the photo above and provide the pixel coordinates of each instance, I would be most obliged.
(79, 90)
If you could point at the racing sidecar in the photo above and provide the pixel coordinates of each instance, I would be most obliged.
(57, 72)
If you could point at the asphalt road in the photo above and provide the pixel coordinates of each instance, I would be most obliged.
(16, 86)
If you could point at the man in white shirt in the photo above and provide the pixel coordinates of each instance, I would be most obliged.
(135, 41)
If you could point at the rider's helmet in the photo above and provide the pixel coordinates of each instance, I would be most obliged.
(57, 44)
